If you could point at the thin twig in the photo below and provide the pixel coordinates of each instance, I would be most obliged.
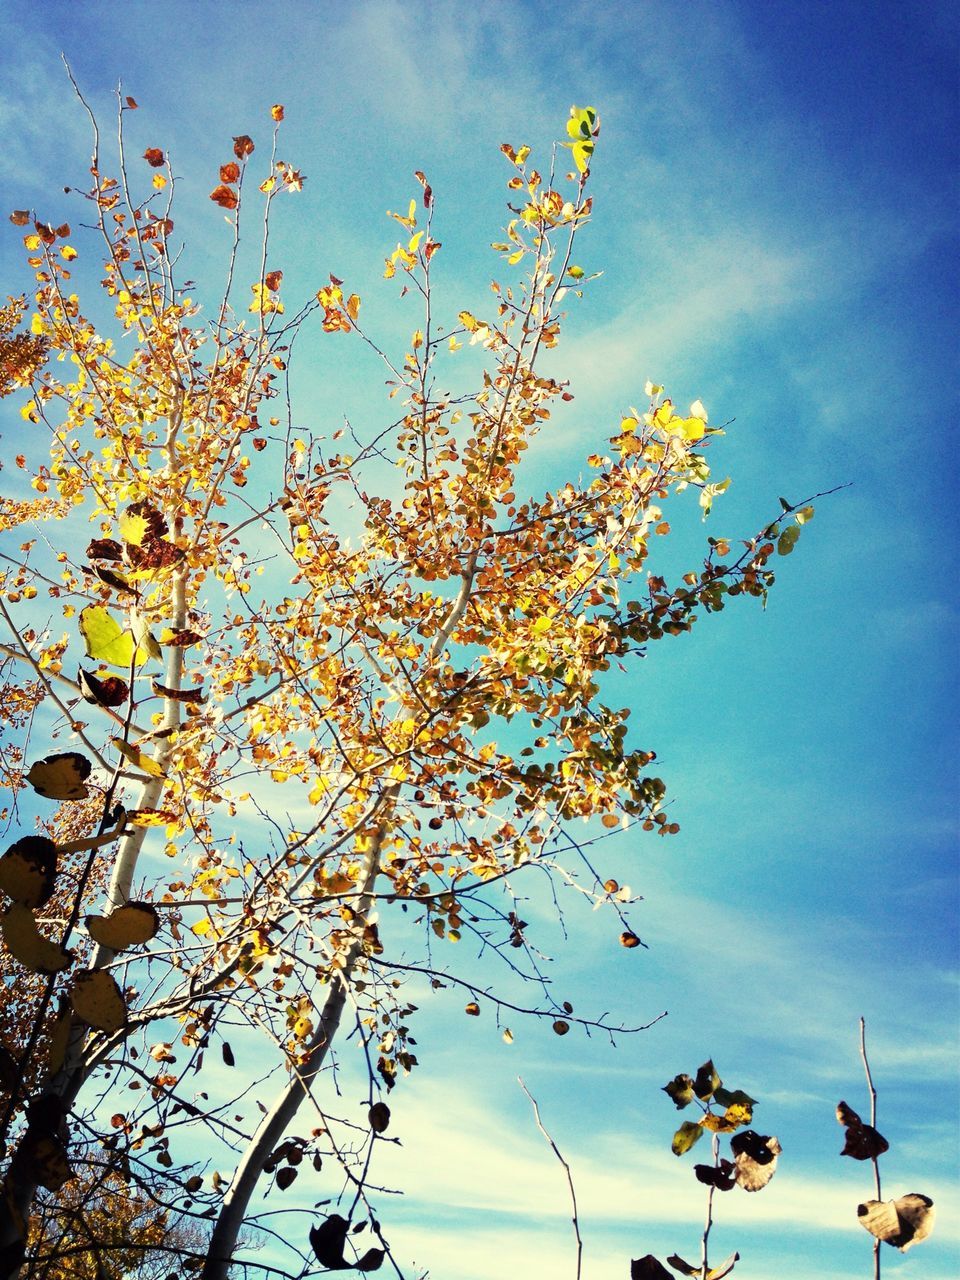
(566, 1168)
(873, 1125)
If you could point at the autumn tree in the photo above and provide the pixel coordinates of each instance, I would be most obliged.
(273, 701)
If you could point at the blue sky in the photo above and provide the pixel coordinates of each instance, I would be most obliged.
(775, 219)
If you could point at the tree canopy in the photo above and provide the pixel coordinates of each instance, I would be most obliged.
(288, 712)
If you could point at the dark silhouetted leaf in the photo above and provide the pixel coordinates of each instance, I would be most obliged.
(328, 1239)
(862, 1141)
(706, 1081)
(227, 1054)
(372, 1260)
(713, 1176)
(379, 1117)
(733, 1097)
(648, 1268)
(285, 1177)
(28, 870)
(680, 1264)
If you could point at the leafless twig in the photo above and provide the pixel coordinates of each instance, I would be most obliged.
(566, 1168)
(873, 1125)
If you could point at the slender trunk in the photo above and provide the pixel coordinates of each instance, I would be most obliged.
(19, 1188)
(236, 1202)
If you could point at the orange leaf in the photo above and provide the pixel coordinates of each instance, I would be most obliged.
(132, 103)
(224, 197)
(277, 111)
(20, 217)
(229, 172)
(272, 280)
(242, 146)
(153, 157)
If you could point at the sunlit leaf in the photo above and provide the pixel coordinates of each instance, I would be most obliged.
(98, 1001)
(139, 759)
(127, 926)
(902, 1223)
(61, 777)
(224, 196)
(685, 1137)
(105, 640)
(755, 1158)
(27, 944)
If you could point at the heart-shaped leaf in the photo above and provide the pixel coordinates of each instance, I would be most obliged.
(128, 926)
(902, 1223)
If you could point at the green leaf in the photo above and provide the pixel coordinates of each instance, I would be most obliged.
(804, 515)
(730, 1097)
(105, 639)
(707, 1081)
(685, 1137)
(788, 540)
(680, 1090)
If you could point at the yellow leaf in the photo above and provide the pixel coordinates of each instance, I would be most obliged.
(68, 253)
(159, 181)
(27, 944)
(127, 926)
(146, 764)
(98, 1001)
(353, 306)
(61, 777)
(628, 424)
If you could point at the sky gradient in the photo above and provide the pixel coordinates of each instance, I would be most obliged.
(775, 196)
